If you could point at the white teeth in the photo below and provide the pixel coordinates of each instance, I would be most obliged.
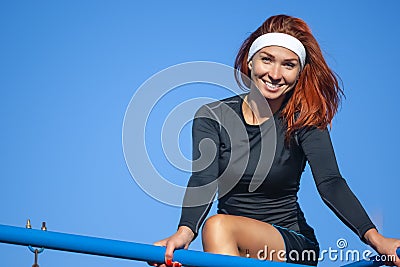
(272, 86)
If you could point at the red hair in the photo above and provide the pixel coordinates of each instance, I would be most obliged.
(315, 99)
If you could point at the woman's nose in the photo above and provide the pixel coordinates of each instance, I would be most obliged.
(275, 73)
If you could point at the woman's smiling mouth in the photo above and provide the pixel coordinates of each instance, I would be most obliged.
(272, 87)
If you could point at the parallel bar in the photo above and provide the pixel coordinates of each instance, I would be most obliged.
(122, 249)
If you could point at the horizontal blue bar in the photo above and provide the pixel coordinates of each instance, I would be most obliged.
(122, 249)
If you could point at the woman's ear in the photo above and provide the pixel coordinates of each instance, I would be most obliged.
(250, 64)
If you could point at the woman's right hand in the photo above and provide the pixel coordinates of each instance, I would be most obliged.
(181, 239)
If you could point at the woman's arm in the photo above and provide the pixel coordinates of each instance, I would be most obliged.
(202, 185)
(198, 199)
(331, 186)
(337, 195)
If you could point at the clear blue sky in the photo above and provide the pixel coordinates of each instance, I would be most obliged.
(70, 68)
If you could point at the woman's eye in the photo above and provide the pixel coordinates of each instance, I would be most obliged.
(290, 65)
(266, 59)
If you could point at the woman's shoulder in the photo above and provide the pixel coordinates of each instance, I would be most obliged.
(219, 107)
(313, 134)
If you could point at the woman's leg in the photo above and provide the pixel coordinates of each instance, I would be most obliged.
(237, 235)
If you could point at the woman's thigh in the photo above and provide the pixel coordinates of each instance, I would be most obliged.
(227, 233)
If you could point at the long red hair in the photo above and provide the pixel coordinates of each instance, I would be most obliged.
(315, 99)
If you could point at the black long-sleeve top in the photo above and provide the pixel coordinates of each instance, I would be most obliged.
(257, 174)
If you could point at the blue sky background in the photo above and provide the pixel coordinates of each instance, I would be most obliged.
(69, 69)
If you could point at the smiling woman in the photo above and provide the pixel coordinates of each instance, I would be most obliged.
(292, 96)
(317, 95)
(274, 70)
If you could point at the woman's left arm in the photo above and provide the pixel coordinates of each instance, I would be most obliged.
(335, 192)
(332, 187)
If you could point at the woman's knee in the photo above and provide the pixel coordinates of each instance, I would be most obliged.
(216, 224)
(217, 235)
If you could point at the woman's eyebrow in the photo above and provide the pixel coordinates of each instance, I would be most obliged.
(272, 56)
(267, 54)
(291, 59)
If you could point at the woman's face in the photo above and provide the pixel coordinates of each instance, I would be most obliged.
(274, 70)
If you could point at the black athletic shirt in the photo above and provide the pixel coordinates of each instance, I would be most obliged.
(256, 181)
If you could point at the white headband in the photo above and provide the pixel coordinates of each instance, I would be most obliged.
(279, 39)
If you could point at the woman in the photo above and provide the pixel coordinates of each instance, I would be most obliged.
(293, 92)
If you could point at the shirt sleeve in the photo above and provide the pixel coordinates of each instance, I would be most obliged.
(333, 189)
(202, 185)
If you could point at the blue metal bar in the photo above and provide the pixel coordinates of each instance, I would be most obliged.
(122, 249)
(371, 262)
